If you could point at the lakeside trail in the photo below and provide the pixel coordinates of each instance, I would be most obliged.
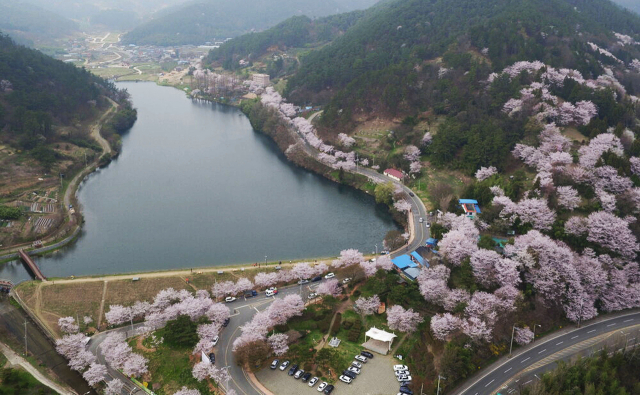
(72, 189)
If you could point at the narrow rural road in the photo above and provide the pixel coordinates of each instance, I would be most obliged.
(508, 376)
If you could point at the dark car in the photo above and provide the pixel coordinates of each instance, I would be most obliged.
(250, 294)
(275, 363)
(405, 383)
(226, 322)
(317, 278)
(367, 354)
(212, 358)
(329, 389)
(293, 370)
(411, 194)
(406, 390)
(306, 377)
(349, 374)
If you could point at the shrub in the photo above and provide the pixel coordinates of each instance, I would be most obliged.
(181, 332)
(336, 324)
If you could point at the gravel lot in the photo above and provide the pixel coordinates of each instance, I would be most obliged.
(376, 378)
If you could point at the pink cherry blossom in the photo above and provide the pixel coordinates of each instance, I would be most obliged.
(186, 391)
(68, 325)
(485, 172)
(264, 280)
(345, 140)
(576, 226)
(412, 153)
(477, 329)
(348, 258)
(330, 287)
(402, 206)
(442, 325)
(427, 139)
(415, 167)
(568, 197)
(95, 374)
(403, 320)
(279, 342)
(114, 387)
(455, 246)
(523, 336)
(367, 306)
(613, 233)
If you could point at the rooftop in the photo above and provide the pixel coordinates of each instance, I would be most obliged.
(394, 172)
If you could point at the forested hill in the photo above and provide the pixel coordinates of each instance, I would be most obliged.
(39, 94)
(297, 31)
(202, 21)
(30, 23)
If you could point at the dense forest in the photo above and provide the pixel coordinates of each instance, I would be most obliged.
(27, 22)
(39, 94)
(295, 32)
(199, 22)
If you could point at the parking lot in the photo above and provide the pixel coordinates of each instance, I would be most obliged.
(376, 378)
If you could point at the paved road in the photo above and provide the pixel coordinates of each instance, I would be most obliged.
(242, 312)
(543, 354)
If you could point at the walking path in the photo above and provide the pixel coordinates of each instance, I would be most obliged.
(17, 360)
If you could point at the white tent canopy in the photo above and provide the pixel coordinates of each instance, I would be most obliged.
(380, 335)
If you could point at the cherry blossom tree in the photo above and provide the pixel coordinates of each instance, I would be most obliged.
(485, 172)
(607, 200)
(402, 206)
(330, 287)
(442, 325)
(68, 325)
(415, 167)
(483, 263)
(533, 211)
(600, 144)
(348, 257)
(302, 271)
(384, 262)
(95, 374)
(202, 370)
(455, 246)
(320, 268)
(279, 342)
(403, 320)
(613, 233)
(187, 391)
(369, 268)
(635, 165)
(217, 313)
(70, 345)
(118, 314)
(135, 365)
(477, 329)
(243, 284)
(367, 306)
(412, 153)
(223, 288)
(567, 197)
(576, 226)
(114, 387)
(87, 320)
(264, 280)
(523, 336)
(426, 139)
(345, 140)
(432, 282)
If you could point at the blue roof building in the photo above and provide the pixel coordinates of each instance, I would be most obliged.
(403, 261)
(431, 242)
(419, 259)
(411, 273)
(470, 207)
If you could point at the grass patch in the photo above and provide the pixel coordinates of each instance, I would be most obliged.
(19, 382)
(126, 292)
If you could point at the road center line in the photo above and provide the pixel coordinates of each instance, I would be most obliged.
(630, 319)
(489, 383)
(525, 360)
(611, 324)
(507, 370)
(591, 331)
(542, 351)
(575, 337)
(527, 382)
(557, 344)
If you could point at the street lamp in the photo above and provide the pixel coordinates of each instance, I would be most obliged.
(376, 250)
(534, 331)
(513, 330)
(440, 377)
(265, 260)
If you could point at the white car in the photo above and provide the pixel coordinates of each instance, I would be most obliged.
(402, 373)
(229, 299)
(354, 369)
(346, 280)
(428, 225)
(322, 386)
(284, 365)
(312, 295)
(346, 379)
(400, 367)
(303, 282)
(421, 220)
(356, 364)
(313, 381)
(298, 374)
(404, 378)
(329, 275)
(269, 292)
(360, 358)
(215, 340)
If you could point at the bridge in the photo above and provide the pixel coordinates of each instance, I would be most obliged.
(31, 265)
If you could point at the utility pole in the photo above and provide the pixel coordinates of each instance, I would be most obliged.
(534, 331)
(439, 377)
(511, 346)
(25, 337)
(376, 250)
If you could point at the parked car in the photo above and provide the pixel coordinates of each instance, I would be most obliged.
(406, 390)
(215, 340)
(328, 390)
(411, 194)
(346, 280)
(284, 365)
(313, 381)
(405, 383)
(312, 295)
(275, 363)
(367, 354)
(305, 281)
(346, 379)
(306, 377)
(226, 322)
(400, 367)
(316, 278)
(404, 378)
(353, 369)
(298, 374)
(269, 292)
(360, 358)
(212, 358)
(293, 370)
(329, 275)
(421, 220)
(322, 386)
(402, 373)
(428, 225)
(229, 299)
(349, 374)
(356, 364)
(250, 293)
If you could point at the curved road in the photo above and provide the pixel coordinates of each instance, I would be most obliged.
(509, 376)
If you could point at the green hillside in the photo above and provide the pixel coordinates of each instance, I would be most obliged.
(202, 21)
(28, 22)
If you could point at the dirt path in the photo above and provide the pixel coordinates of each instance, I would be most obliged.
(104, 296)
(16, 360)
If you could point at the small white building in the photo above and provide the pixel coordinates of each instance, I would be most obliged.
(379, 341)
(394, 174)
(261, 79)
